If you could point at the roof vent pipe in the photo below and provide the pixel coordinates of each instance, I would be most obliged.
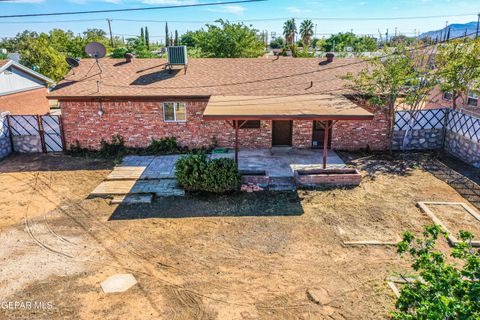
(330, 56)
(128, 57)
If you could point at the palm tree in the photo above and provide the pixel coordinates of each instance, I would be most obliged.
(289, 31)
(306, 31)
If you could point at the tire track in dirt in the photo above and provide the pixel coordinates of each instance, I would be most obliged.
(27, 224)
(151, 272)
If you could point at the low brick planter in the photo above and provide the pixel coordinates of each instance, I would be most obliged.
(327, 177)
(258, 178)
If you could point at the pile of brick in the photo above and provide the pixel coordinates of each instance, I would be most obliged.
(250, 187)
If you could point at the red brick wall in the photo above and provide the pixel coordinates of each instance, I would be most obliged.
(436, 101)
(356, 135)
(302, 134)
(27, 102)
(140, 122)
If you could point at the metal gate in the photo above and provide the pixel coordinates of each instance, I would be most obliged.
(35, 133)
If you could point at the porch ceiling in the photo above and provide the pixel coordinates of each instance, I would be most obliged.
(296, 107)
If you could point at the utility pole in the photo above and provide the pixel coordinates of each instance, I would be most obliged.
(110, 29)
(316, 28)
(478, 26)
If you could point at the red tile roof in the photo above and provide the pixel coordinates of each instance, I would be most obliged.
(206, 77)
(3, 62)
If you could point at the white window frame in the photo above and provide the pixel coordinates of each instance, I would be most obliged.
(472, 95)
(175, 104)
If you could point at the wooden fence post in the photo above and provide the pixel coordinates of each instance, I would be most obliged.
(41, 133)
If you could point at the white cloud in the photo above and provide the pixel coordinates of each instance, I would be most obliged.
(233, 9)
(296, 10)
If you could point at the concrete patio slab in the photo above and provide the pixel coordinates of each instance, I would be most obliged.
(156, 174)
(118, 283)
(283, 162)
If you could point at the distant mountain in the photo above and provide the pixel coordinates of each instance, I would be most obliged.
(456, 30)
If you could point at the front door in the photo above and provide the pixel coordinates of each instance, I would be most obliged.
(282, 133)
(318, 137)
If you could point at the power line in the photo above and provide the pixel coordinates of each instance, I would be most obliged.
(245, 20)
(309, 18)
(129, 9)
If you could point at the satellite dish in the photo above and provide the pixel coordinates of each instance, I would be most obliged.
(95, 50)
(73, 63)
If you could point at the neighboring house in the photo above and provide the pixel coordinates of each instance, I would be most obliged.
(271, 102)
(468, 104)
(22, 90)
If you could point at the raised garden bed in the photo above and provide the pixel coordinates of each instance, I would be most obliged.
(327, 177)
(255, 177)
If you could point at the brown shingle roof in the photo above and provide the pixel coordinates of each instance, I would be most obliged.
(205, 77)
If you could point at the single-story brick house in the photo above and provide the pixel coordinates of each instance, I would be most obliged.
(22, 90)
(467, 103)
(279, 101)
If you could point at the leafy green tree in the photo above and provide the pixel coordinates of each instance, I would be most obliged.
(142, 35)
(3, 56)
(447, 290)
(139, 48)
(338, 42)
(289, 31)
(277, 43)
(189, 39)
(67, 43)
(385, 79)
(457, 65)
(306, 31)
(319, 44)
(41, 56)
(119, 53)
(229, 40)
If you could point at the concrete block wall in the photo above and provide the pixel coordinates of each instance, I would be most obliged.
(27, 144)
(463, 148)
(421, 139)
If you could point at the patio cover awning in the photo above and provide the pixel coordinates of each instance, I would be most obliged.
(295, 107)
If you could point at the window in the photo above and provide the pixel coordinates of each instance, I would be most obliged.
(472, 99)
(250, 124)
(174, 112)
(447, 96)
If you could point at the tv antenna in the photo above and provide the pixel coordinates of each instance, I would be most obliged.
(73, 63)
(96, 50)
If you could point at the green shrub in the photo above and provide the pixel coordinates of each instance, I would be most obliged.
(196, 173)
(190, 170)
(221, 176)
(163, 146)
(114, 149)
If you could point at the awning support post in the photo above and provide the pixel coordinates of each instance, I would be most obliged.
(236, 142)
(325, 145)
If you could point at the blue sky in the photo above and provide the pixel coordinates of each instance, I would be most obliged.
(348, 9)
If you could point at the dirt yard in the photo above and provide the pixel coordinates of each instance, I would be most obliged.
(246, 256)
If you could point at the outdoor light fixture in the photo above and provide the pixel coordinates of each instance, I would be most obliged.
(101, 112)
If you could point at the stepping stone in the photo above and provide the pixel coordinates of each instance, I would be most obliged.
(118, 283)
(132, 199)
